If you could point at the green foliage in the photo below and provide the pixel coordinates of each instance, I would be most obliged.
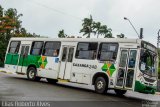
(96, 28)
(87, 27)
(121, 36)
(10, 26)
(61, 34)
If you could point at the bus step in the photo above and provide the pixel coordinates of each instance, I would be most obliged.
(60, 80)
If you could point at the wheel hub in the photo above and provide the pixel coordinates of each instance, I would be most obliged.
(100, 84)
(31, 74)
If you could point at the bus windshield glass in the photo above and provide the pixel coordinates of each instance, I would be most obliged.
(148, 59)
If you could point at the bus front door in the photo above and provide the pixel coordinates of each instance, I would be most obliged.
(66, 62)
(126, 70)
(23, 59)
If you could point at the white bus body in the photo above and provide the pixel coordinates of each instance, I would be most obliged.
(106, 63)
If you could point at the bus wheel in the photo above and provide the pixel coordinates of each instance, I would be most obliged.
(101, 85)
(31, 74)
(120, 92)
(52, 81)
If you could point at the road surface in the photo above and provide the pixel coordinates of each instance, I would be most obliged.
(18, 88)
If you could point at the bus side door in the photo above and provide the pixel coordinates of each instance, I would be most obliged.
(126, 70)
(22, 63)
(66, 62)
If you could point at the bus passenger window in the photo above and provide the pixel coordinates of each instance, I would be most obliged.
(55, 53)
(64, 55)
(108, 51)
(132, 59)
(70, 55)
(36, 48)
(14, 47)
(86, 50)
(51, 48)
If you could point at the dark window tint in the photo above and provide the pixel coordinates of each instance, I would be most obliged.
(132, 58)
(123, 59)
(51, 49)
(22, 50)
(108, 51)
(86, 50)
(70, 55)
(64, 55)
(14, 47)
(36, 48)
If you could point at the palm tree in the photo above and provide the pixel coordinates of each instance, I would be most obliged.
(90, 26)
(87, 26)
(105, 31)
(102, 30)
(96, 27)
(108, 33)
(1, 11)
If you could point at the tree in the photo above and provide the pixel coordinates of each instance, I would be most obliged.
(105, 31)
(1, 11)
(97, 27)
(121, 36)
(87, 27)
(108, 34)
(90, 26)
(61, 34)
(10, 26)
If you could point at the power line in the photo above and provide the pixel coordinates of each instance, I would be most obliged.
(54, 10)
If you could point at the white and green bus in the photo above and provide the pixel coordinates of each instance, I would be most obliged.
(106, 63)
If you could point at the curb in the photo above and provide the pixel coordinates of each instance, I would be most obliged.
(62, 81)
(3, 71)
(6, 72)
(9, 73)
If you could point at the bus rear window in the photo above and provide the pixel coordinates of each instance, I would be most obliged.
(14, 47)
(108, 51)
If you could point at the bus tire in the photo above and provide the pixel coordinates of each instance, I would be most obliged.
(120, 92)
(52, 81)
(101, 85)
(32, 74)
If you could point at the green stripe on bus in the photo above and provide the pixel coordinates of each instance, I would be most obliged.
(12, 59)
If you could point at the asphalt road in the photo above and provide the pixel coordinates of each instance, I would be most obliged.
(18, 88)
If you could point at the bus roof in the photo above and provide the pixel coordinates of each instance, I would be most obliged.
(123, 40)
(120, 40)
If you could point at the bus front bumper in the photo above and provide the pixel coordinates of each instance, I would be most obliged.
(139, 87)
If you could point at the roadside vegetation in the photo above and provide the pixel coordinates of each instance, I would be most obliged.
(10, 26)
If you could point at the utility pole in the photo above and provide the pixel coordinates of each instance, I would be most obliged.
(141, 33)
(158, 39)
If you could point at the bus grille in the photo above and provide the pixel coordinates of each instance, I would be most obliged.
(149, 80)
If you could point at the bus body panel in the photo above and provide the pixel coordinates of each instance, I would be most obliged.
(79, 70)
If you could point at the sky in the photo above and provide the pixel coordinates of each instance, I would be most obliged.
(48, 17)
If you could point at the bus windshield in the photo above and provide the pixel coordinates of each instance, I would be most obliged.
(148, 62)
